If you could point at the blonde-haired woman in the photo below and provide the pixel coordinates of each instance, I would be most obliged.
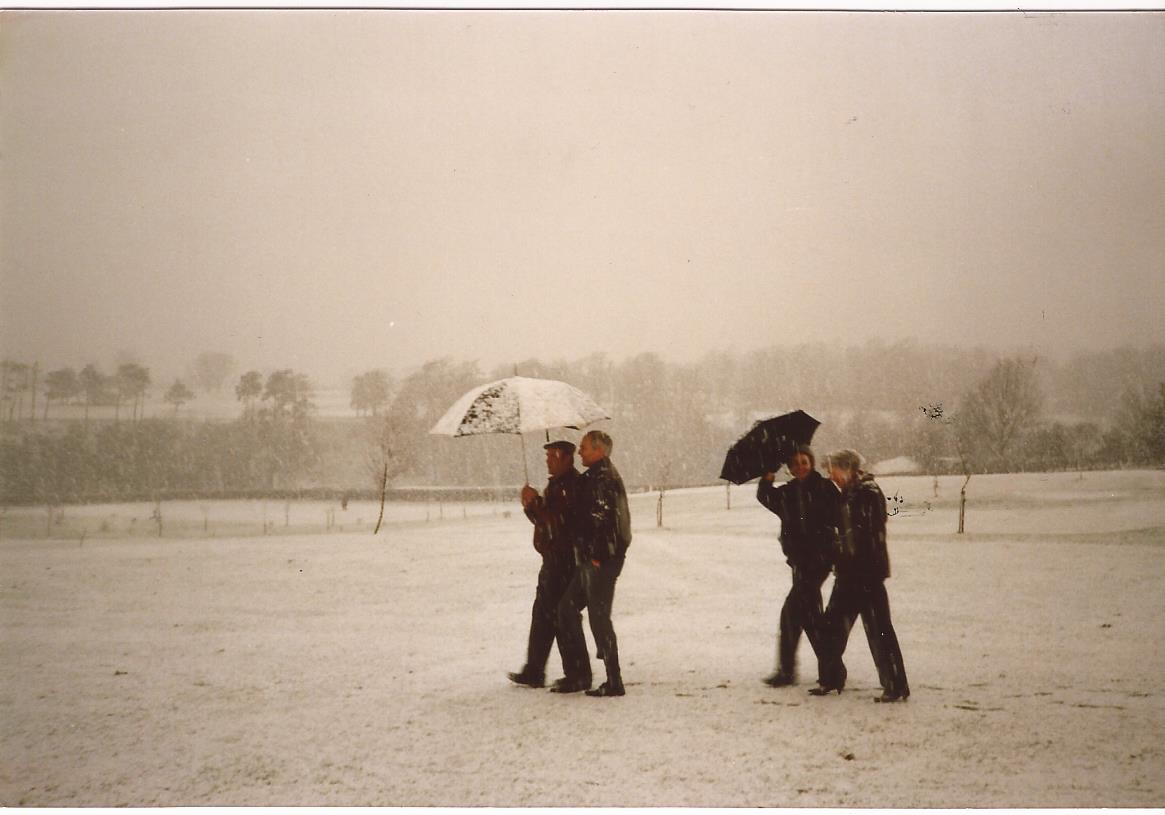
(861, 564)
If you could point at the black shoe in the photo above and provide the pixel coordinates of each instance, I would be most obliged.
(527, 679)
(607, 689)
(568, 685)
(897, 696)
(825, 690)
(780, 679)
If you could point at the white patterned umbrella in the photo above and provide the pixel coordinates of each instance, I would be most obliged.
(519, 404)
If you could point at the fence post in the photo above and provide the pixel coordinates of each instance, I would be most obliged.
(963, 504)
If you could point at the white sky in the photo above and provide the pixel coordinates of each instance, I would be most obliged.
(334, 191)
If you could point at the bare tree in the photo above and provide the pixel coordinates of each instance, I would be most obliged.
(949, 427)
(387, 456)
(965, 461)
(1140, 424)
(999, 412)
(419, 401)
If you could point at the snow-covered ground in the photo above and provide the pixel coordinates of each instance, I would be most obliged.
(340, 668)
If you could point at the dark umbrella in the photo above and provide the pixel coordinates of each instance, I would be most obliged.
(767, 446)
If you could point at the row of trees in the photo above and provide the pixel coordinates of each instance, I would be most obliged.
(22, 386)
(672, 423)
(1001, 426)
(876, 376)
(286, 395)
(21, 383)
(672, 428)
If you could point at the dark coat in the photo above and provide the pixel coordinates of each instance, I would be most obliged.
(861, 526)
(808, 513)
(604, 518)
(553, 514)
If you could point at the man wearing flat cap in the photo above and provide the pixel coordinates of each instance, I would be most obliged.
(553, 516)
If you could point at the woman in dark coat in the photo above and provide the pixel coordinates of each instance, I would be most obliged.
(806, 506)
(862, 564)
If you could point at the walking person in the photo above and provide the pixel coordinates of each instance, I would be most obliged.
(553, 516)
(603, 535)
(862, 564)
(807, 507)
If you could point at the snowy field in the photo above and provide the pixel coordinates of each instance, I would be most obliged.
(219, 665)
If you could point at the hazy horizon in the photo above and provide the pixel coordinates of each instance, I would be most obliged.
(333, 191)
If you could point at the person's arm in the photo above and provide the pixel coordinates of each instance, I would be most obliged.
(532, 503)
(872, 515)
(554, 513)
(825, 521)
(603, 520)
(768, 495)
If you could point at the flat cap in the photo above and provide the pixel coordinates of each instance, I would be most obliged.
(565, 446)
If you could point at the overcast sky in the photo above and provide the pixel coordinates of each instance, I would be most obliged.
(334, 191)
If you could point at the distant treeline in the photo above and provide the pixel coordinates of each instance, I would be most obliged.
(950, 410)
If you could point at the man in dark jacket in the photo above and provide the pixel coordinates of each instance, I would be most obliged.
(807, 506)
(862, 564)
(553, 516)
(603, 535)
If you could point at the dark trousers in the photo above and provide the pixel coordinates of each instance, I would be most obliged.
(801, 612)
(592, 588)
(865, 597)
(553, 578)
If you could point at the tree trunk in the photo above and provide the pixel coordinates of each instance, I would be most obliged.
(32, 410)
(659, 511)
(383, 490)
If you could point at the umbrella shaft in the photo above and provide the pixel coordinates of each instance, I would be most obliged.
(525, 466)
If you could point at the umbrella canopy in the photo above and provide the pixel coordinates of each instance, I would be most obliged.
(519, 404)
(767, 446)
